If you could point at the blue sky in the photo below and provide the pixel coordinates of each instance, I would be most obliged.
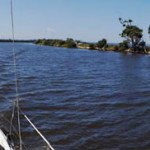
(87, 20)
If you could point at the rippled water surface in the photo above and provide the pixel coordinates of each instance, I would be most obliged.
(79, 99)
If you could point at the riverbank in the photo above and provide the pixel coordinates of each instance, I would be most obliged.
(101, 45)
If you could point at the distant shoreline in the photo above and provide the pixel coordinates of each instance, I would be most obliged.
(70, 43)
(17, 41)
(77, 45)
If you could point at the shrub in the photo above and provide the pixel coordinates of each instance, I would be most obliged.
(102, 43)
(123, 45)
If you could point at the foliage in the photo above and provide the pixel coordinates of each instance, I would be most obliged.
(70, 43)
(123, 45)
(131, 33)
(102, 43)
(59, 43)
(69, 40)
(112, 48)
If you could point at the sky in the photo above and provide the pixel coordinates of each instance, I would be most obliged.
(86, 20)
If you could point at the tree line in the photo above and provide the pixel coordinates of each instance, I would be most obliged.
(132, 40)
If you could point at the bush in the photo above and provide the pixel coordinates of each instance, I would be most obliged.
(69, 43)
(112, 48)
(102, 43)
(123, 46)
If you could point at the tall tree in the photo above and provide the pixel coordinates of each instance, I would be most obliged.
(132, 34)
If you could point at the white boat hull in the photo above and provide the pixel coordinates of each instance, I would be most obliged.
(4, 141)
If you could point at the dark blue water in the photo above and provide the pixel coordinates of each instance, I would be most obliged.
(79, 99)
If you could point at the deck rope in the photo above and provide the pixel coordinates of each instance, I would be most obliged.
(40, 134)
(16, 80)
(12, 118)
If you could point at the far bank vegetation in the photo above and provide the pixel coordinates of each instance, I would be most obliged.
(132, 41)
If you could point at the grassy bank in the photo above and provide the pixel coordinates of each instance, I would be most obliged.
(100, 45)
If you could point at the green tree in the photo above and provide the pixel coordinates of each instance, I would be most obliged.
(123, 45)
(69, 40)
(102, 44)
(131, 33)
(70, 43)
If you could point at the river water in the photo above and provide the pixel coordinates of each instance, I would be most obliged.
(79, 99)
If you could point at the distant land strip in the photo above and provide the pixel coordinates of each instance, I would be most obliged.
(101, 45)
(18, 41)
